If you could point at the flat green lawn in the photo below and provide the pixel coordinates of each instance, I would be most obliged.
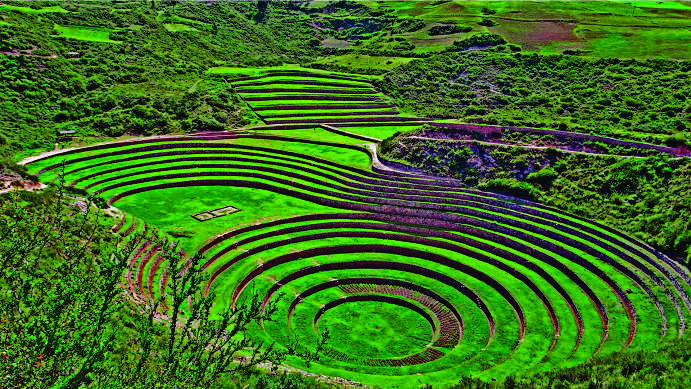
(325, 103)
(269, 80)
(317, 100)
(172, 208)
(323, 110)
(178, 27)
(236, 72)
(361, 61)
(667, 4)
(43, 10)
(316, 134)
(305, 88)
(621, 28)
(637, 42)
(336, 154)
(379, 132)
(370, 329)
(91, 34)
(325, 119)
(315, 93)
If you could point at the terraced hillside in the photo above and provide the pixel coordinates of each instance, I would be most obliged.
(417, 279)
(290, 96)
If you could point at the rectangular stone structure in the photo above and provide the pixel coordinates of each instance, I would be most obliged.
(214, 213)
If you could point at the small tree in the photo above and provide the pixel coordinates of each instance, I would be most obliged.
(65, 323)
(58, 290)
(198, 348)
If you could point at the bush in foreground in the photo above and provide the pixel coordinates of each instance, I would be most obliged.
(65, 322)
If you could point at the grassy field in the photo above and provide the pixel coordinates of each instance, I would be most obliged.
(178, 27)
(633, 29)
(304, 77)
(91, 34)
(241, 72)
(380, 132)
(363, 61)
(376, 330)
(43, 10)
(316, 133)
(636, 42)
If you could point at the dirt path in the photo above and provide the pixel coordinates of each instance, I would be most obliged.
(8, 181)
(526, 147)
(27, 53)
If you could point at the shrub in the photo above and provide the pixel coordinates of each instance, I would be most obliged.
(488, 22)
(543, 177)
(511, 187)
(446, 29)
(626, 114)
(387, 144)
(458, 159)
(479, 41)
(676, 140)
(408, 25)
(41, 51)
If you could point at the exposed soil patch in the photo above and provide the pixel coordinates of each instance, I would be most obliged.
(533, 35)
(531, 140)
(28, 53)
(337, 43)
(10, 181)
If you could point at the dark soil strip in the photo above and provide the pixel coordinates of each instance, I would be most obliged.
(310, 91)
(296, 82)
(326, 106)
(311, 97)
(420, 122)
(347, 120)
(152, 272)
(140, 268)
(297, 74)
(293, 115)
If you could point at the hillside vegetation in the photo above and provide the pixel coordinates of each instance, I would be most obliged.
(143, 79)
(640, 100)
